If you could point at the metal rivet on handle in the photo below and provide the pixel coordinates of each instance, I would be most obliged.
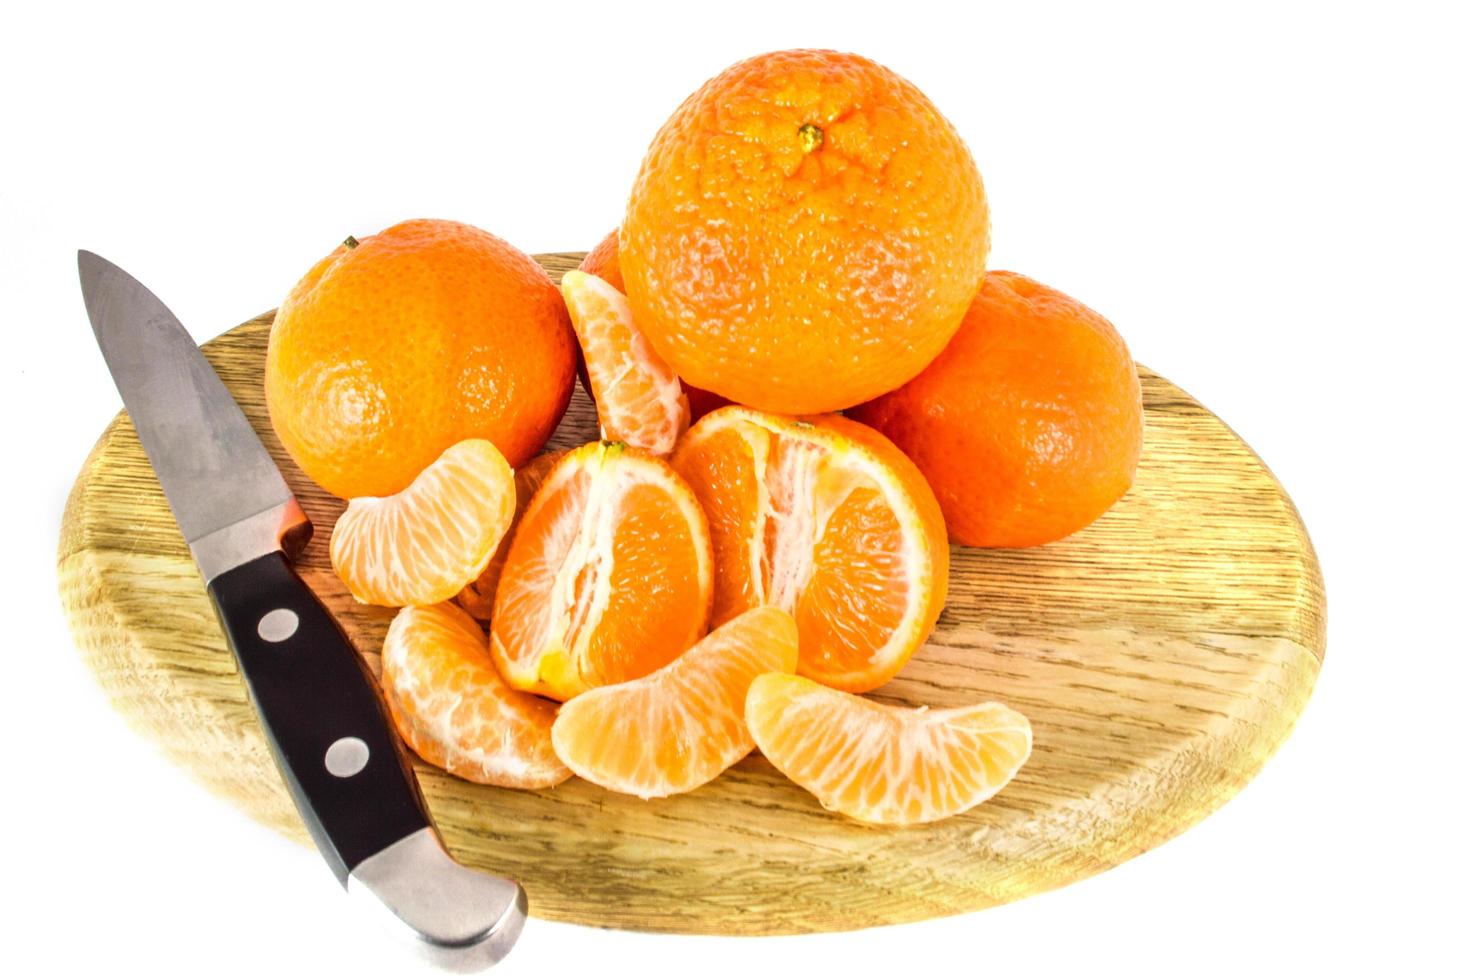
(277, 625)
(346, 757)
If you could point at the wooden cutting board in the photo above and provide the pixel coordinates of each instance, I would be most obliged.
(1162, 654)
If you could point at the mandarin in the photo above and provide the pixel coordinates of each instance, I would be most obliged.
(453, 708)
(638, 396)
(609, 576)
(603, 262)
(1029, 425)
(424, 544)
(825, 519)
(682, 726)
(396, 347)
(881, 763)
(805, 233)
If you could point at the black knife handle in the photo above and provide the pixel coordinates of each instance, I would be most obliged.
(324, 717)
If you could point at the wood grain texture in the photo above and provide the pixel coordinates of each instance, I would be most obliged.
(1162, 654)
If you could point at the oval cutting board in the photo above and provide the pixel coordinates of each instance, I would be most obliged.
(1162, 654)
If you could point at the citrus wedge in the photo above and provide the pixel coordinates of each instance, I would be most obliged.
(609, 576)
(422, 545)
(680, 727)
(638, 396)
(883, 764)
(826, 519)
(478, 597)
(455, 711)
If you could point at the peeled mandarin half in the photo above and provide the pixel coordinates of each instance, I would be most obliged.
(883, 764)
(680, 727)
(477, 597)
(422, 545)
(638, 396)
(827, 520)
(609, 576)
(455, 711)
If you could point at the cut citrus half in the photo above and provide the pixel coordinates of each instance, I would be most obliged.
(883, 764)
(478, 597)
(609, 576)
(826, 519)
(455, 711)
(422, 545)
(638, 396)
(680, 727)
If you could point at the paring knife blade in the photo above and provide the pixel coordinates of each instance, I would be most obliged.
(320, 708)
(219, 480)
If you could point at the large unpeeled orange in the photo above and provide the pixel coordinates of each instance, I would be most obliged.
(609, 576)
(826, 519)
(680, 727)
(880, 763)
(422, 545)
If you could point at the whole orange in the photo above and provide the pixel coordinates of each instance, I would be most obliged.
(394, 348)
(603, 262)
(805, 233)
(1029, 425)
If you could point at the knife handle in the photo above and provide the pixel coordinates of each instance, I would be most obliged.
(324, 717)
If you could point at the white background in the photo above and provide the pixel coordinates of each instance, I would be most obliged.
(1272, 203)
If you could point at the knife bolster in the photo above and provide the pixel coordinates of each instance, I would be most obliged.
(283, 528)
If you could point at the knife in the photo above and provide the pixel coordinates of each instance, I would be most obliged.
(322, 712)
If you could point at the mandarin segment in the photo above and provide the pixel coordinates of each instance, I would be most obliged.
(805, 233)
(608, 578)
(478, 596)
(638, 396)
(827, 520)
(603, 261)
(422, 545)
(455, 711)
(880, 763)
(1029, 425)
(390, 351)
(681, 726)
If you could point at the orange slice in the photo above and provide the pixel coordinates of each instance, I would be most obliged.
(883, 764)
(680, 727)
(477, 597)
(456, 712)
(639, 398)
(423, 544)
(826, 519)
(608, 577)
